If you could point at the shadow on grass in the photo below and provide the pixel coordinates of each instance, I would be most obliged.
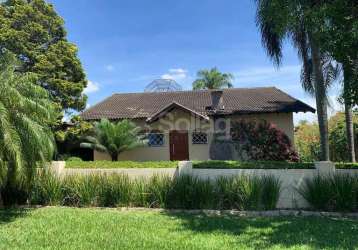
(8, 215)
(260, 233)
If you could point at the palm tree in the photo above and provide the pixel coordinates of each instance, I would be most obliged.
(281, 19)
(213, 79)
(26, 140)
(114, 138)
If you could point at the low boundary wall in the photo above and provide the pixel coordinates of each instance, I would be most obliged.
(291, 179)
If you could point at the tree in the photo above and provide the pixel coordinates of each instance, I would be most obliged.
(33, 31)
(69, 136)
(213, 79)
(338, 33)
(114, 138)
(281, 19)
(26, 113)
(307, 139)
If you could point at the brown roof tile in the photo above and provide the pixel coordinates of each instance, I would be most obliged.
(235, 100)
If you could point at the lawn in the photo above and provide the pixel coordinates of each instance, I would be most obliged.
(71, 228)
(121, 164)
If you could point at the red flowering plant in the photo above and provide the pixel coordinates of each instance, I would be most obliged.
(262, 141)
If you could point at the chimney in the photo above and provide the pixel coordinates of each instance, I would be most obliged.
(217, 100)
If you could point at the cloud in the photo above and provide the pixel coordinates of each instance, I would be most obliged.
(175, 74)
(110, 67)
(91, 87)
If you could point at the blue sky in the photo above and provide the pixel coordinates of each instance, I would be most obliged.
(126, 44)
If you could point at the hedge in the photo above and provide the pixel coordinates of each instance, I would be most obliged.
(252, 165)
(349, 165)
(121, 164)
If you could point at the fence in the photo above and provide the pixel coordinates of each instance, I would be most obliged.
(291, 179)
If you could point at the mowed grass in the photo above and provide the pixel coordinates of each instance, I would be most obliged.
(79, 228)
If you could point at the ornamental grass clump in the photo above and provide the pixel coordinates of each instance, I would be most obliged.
(247, 192)
(271, 189)
(115, 190)
(338, 192)
(158, 191)
(46, 189)
(188, 192)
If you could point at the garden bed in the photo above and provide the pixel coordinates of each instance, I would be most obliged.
(120, 164)
(252, 165)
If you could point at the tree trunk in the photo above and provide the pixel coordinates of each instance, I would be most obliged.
(114, 157)
(350, 131)
(348, 113)
(321, 100)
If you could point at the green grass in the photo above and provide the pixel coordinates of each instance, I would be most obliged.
(252, 165)
(121, 164)
(69, 228)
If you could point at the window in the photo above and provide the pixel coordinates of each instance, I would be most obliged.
(199, 138)
(155, 139)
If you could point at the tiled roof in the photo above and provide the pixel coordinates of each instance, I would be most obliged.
(235, 100)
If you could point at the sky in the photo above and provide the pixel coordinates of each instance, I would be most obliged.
(126, 44)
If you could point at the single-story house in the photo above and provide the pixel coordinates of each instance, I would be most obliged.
(181, 124)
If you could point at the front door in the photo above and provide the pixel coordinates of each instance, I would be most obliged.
(179, 147)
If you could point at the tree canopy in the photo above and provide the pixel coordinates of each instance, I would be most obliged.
(114, 138)
(35, 33)
(26, 114)
(213, 79)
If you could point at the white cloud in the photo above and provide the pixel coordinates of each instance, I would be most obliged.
(91, 87)
(110, 67)
(175, 74)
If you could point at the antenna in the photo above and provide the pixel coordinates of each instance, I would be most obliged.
(163, 85)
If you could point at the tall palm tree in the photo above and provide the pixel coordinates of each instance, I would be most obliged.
(213, 79)
(281, 19)
(26, 140)
(114, 138)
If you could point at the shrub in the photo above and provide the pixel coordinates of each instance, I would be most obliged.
(337, 192)
(262, 141)
(252, 165)
(74, 158)
(345, 165)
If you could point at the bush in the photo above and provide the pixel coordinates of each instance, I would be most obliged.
(252, 165)
(74, 158)
(333, 193)
(184, 192)
(344, 165)
(121, 164)
(262, 141)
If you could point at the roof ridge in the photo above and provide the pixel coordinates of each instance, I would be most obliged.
(196, 90)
